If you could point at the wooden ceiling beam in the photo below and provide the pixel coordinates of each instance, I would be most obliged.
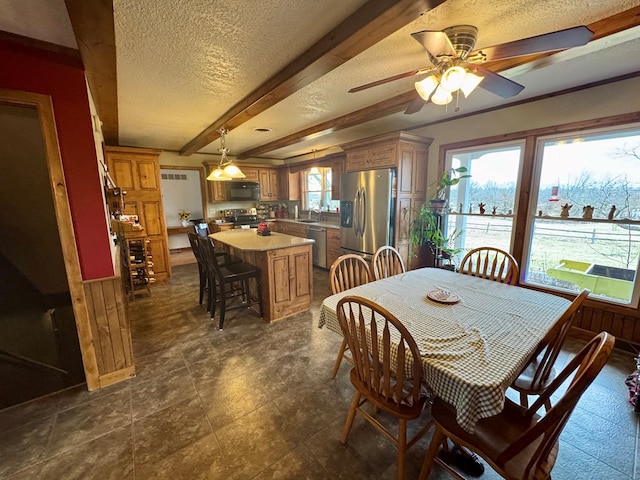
(93, 26)
(371, 23)
(602, 28)
(382, 109)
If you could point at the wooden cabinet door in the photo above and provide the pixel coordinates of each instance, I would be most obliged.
(336, 174)
(252, 174)
(357, 160)
(333, 245)
(122, 171)
(382, 156)
(219, 190)
(291, 279)
(265, 185)
(273, 184)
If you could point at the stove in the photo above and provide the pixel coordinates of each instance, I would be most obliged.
(242, 216)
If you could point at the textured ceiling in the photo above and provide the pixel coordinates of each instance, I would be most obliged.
(182, 65)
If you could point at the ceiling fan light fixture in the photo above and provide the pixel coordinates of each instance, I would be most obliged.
(426, 86)
(471, 81)
(441, 96)
(453, 78)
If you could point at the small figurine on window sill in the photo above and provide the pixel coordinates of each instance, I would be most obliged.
(587, 212)
(565, 210)
(494, 210)
(612, 212)
(481, 207)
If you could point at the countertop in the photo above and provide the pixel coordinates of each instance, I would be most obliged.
(303, 221)
(249, 240)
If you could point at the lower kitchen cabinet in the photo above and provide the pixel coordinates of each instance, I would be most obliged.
(333, 245)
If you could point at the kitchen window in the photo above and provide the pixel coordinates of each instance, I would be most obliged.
(494, 171)
(584, 217)
(316, 193)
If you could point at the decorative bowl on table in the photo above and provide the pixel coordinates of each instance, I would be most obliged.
(263, 229)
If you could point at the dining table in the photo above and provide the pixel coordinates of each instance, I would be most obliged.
(474, 335)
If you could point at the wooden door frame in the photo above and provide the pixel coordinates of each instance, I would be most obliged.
(44, 107)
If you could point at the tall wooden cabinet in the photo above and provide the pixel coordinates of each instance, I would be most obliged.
(137, 172)
(408, 154)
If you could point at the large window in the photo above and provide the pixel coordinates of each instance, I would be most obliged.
(584, 217)
(494, 171)
(317, 190)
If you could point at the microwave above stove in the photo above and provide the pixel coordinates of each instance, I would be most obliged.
(243, 191)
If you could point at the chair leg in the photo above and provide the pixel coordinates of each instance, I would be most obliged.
(223, 305)
(352, 415)
(343, 347)
(434, 446)
(259, 293)
(402, 447)
(524, 400)
(203, 284)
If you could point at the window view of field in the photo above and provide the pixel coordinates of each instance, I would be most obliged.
(595, 179)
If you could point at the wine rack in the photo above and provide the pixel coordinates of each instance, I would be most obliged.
(137, 264)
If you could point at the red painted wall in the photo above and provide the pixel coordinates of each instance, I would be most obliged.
(32, 70)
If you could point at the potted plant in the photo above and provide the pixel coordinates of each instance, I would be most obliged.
(426, 226)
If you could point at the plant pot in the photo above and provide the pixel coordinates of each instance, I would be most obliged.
(438, 205)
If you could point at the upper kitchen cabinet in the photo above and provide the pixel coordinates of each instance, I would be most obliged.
(269, 181)
(337, 166)
(408, 154)
(216, 191)
(137, 172)
(289, 184)
(266, 177)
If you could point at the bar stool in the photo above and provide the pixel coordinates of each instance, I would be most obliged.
(229, 281)
(224, 257)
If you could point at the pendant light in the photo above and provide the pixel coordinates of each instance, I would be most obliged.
(226, 169)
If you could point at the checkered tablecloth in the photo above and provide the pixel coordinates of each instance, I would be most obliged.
(472, 350)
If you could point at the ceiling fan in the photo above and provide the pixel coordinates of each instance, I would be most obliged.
(456, 67)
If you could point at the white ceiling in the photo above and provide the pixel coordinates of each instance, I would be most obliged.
(182, 65)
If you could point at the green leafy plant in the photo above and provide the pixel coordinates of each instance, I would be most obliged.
(426, 226)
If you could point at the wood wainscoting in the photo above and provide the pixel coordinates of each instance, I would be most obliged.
(110, 329)
(594, 317)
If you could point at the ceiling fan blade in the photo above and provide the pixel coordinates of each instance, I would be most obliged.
(415, 106)
(427, 70)
(435, 42)
(421, 71)
(494, 83)
(547, 42)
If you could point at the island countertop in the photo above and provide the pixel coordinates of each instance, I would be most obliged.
(249, 240)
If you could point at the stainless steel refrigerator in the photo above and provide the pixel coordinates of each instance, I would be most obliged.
(367, 207)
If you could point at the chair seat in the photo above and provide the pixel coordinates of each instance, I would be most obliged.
(526, 381)
(494, 434)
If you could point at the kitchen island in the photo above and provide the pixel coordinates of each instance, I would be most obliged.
(285, 263)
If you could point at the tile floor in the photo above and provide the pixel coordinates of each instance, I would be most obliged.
(256, 402)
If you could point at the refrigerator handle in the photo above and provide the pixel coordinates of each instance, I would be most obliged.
(356, 212)
(363, 208)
